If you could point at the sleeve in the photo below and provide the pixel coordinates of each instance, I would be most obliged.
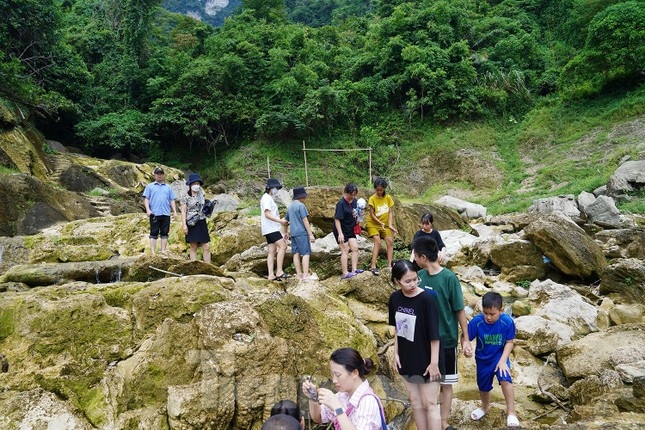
(172, 193)
(367, 416)
(439, 241)
(146, 192)
(472, 329)
(326, 414)
(433, 318)
(370, 202)
(510, 329)
(339, 213)
(456, 296)
(390, 201)
(263, 204)
(302, 212)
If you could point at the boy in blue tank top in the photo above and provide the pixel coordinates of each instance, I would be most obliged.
(495, 334)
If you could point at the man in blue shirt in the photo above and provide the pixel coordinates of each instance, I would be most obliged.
(159, 199)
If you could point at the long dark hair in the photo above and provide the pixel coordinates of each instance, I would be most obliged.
(380, 182)
(400, 268)
(351, 360)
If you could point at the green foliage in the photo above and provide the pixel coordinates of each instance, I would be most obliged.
(613, 52)
(119, 130)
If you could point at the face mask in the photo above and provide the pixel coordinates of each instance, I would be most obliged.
(194, 188)
(274, 191)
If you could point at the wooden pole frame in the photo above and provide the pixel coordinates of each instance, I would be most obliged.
(305, 149)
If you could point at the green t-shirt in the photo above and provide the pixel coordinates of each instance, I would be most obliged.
(450, 299)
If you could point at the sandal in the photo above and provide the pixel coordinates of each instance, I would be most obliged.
(357, 271)
(478, 414)
(512, 421)
(349, 275)
(375, 271)
(281, 277)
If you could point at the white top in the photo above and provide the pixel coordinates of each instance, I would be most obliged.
(269, 226)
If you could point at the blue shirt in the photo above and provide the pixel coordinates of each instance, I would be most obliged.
(296, 212)
(159, 196)
(491, 338)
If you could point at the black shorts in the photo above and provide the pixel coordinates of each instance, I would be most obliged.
(159, 226)
(449, 358)
(273, 237)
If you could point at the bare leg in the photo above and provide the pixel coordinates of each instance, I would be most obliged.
(389, 241)
(509, 396)
(270, 259)
(153, 245)
(206, 250)
(353, 245)
(282, 250)
(485, 398)
(305, 266)
(164, 242)
(375, 249)
(193, 251)
(423, 398)
(296, 263)
(446, 403)
(344, 251)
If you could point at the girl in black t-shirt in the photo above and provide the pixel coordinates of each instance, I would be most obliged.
(413, 313)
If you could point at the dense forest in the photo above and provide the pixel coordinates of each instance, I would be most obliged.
(129, 76)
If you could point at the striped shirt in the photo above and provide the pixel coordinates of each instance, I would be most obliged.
(365, 415)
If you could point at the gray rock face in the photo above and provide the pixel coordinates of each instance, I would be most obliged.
(603, 211)
(628, 177)
(567, 245)
(626, 279)
(592, 354)
(466, 209)
(562, 205)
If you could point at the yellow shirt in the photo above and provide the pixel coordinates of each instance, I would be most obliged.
(381, 207)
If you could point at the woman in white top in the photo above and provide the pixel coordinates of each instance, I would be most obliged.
(354, 406)
(272, 230)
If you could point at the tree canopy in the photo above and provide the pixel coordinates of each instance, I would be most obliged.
(128, 75)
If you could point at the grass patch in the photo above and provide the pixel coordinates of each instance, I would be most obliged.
(8, 170)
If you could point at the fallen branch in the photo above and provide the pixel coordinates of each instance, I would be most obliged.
(165, 271)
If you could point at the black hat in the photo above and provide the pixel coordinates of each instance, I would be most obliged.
(299, 192)
(194, 177)
(273, 183)
(158, 170)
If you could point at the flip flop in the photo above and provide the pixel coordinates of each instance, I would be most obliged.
(375, 271)
(281, 277)
(478, 414)
(512, 421)
(357, 271)
(349, 275)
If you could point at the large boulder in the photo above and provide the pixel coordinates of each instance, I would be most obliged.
(603, 211)
(567, 245)
(466, 209)
(560, 303)
(628, 177)
(592, 354)
(541, 336)
(519, 260)
(28, 205)
(622, 243)
(563, 205)
(624, 280)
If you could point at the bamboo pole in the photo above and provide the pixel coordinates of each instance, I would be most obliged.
(304, 152)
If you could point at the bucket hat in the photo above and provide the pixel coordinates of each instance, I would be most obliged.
(273, 183)
(299, 192)
(194, 177)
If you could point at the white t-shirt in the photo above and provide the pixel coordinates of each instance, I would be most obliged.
(269, 226)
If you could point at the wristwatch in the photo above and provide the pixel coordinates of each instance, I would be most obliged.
(339, 411)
